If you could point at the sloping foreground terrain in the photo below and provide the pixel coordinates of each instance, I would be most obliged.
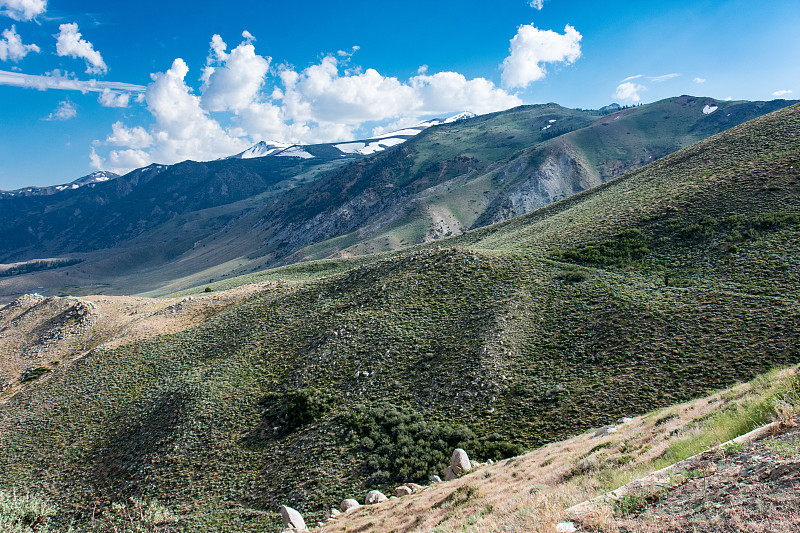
(664, 284)
(166, 228)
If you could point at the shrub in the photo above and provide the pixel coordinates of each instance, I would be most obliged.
(400, 445)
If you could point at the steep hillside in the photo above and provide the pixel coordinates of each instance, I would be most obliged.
(183, 225)
(652, 289)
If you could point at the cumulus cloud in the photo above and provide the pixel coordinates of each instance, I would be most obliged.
(109, 98)
(65, 111)
(531, 48)
(629, 91)
(69, 43)
(536, 4)
(136, 137)
(699, 80)
(243, 99)
(782, 92)
(22, 9)
(11, 47)
(233, 80)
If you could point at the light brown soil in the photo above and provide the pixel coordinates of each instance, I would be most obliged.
(38, 331)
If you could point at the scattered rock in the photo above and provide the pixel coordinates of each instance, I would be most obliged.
(474, 464)
(489, 462)
(624, 420)
(604, 432)
(348, 505)
(402, 490)
(435, 479)
(375, 496)
(292, 519)
(333, 514)
(566, 527)
(414, 487)
(450, 474)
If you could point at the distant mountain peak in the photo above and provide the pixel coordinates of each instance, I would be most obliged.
(369, 146)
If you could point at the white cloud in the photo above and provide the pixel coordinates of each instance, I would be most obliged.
(248, 36)
(629, 91)
(183, 130)
(242, 100)
(70, 44)
(629, 78)
(664, 77)
(22, 9)
(109, 98)
(234, 83)
(11, 47)
(782, 92)
(536, 4)
(65, 111)
(136, 137)
(63, 81)
(699, 80)
(531, 48)
(445, 92)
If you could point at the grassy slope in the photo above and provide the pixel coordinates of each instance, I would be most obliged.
(482, 330)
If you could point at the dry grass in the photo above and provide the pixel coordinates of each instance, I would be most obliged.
(530, 493)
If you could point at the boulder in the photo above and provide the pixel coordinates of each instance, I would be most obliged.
(624, 420)
(435, 479)
(414, 487)
(348, 505)
(450, 474)
(566, 527)
(375, 496)
(474, 464)
(460, 461)
(333, 514)
(402, 490)
(292, 520)
(489, 462)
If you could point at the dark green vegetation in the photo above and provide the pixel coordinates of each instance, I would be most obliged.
(488, 340)
(167, 228)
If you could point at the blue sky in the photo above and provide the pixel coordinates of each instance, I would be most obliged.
(116, 85)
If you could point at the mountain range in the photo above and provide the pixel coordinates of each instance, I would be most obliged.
(168, 227)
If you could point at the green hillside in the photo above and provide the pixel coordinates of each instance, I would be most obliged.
(671, 281)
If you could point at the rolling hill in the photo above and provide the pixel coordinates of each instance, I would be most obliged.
(656, 287)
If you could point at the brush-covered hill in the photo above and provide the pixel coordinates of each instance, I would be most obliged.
(663, 284)
(166, 228)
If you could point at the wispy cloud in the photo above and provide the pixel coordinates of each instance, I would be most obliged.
(782, 92)
(663, 77)
(629, 78)
(699, 80)
(57, 80)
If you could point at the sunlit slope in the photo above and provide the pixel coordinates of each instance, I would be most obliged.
(652, 289)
